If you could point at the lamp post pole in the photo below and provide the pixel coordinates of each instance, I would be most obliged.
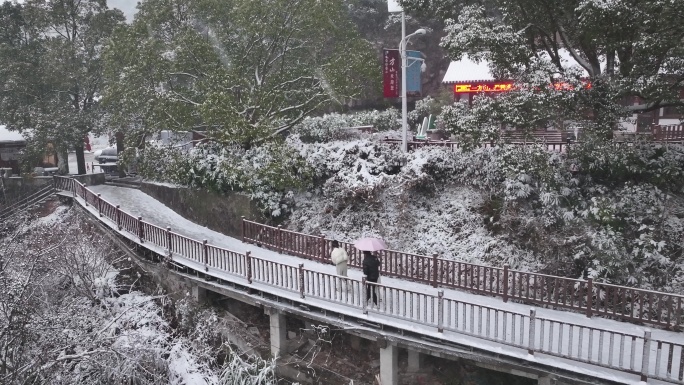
(404, 66)
(404, 105)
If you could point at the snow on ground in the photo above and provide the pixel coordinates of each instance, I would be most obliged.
(138, 203)
(55, 217)
(73, 165)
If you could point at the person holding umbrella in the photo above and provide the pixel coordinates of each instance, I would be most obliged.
(371, 269)
(339, 258)
(371, 264)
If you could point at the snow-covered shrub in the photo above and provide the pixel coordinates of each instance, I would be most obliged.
(471, 131)
(386, 120)
(424, 108)
(574, 214)
(331, 127)
(268, 174)
(323, 128)
(613, 164)
(250, 370)
(164, 164)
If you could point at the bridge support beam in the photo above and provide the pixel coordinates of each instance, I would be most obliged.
(278, 331)
(415, 360)
(389, 368)
(199, 294)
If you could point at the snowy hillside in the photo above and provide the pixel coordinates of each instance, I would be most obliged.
(73, 317)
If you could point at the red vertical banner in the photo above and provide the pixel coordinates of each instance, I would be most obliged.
(391, 73)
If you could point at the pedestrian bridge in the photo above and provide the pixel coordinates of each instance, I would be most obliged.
(426, 302)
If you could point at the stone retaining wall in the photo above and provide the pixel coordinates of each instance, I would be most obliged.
(220, 213)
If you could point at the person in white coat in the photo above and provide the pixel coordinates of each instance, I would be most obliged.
(339, 258)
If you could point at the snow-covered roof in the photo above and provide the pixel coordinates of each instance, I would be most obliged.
(466, 70)
(10, 136)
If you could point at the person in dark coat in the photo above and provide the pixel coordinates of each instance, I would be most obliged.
(371, 269)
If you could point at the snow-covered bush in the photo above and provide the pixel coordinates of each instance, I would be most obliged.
(331, 127)
(268, 174)
(613, 164)
(424, 107)
(574, 213)
(459, 121)
(386, 120)
(323, 128)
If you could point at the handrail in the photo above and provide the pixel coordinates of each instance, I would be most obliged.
(661, 136)
(592, 298)
(601, 347)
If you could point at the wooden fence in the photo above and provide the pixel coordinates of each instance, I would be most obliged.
(586, 296)
(636, 354)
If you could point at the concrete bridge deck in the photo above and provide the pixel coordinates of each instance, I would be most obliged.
(412, 315)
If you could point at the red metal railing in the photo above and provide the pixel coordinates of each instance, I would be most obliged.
(626, 352)
(668, 133)
(619, 302)
(663, 134)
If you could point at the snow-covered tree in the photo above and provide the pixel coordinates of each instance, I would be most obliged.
(244, 71)
(623, 50)
(52, 71)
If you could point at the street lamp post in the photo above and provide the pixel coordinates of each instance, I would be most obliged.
(404, 66)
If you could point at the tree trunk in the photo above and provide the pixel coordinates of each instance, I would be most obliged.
(80, 159)
(62, 160)
(119, 152)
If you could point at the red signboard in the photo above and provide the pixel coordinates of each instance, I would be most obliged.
(391, 73)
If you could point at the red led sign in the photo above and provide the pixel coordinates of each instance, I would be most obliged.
(467, 88)
(482, 87)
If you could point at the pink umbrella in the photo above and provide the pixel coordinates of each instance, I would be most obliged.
(370, 244)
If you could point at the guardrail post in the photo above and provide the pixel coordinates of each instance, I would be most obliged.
(168, 240)
(242, 231)
(248, 262)
(118, 217)
(205, 254)
(85, 194)
(279, 239)
(363, 295)
(54, 181)
(99, 204)
(73, 187)
(678, 314)
(434, 270)
(531, 336)
(440, 311)
(590, 295)
(505, 283)
(140, 229)
(323, 254)
(646, 355)
(301, 279)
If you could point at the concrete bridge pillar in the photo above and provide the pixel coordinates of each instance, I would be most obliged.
(389, 368)
(278, 331)
(199, 294)
(546, 380)
(415, 360)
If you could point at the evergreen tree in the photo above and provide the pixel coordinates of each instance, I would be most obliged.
(623, 49)
(52, 74)
(245, 71)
